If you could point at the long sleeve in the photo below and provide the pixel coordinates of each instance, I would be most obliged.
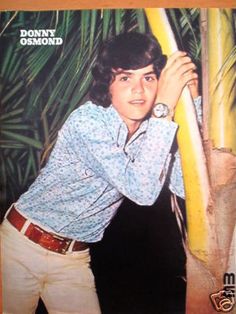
(92, 167)
(136, 169)
(176, 183)
(198, 107)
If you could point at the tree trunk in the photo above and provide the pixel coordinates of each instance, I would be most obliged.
(210, 200)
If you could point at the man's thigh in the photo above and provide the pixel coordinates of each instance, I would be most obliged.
(65, 282)
(70, 286)
(20, 284)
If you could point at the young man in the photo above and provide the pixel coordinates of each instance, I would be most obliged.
(114, 147)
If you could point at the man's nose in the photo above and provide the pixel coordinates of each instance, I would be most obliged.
(138, 87)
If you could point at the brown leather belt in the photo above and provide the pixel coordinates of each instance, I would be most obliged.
(44, 238)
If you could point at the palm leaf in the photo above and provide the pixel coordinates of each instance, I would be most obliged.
(41, 85)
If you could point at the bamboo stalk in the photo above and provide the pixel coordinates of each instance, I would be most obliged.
(222, 118)
(191, 150)
(222, 129)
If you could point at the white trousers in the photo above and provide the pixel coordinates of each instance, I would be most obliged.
(64, 282)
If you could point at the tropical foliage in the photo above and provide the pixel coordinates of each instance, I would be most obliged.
(41, 85)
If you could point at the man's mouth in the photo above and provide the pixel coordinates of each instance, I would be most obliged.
(137, 102)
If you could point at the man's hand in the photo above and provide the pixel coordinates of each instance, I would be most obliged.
(178, 72)
(193, 88)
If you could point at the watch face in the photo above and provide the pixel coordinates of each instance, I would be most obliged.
(161, 110)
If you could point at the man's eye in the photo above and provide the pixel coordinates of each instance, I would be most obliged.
(149, 78)
(124, 78)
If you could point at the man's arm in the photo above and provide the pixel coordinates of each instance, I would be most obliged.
(140, 178)
(176, 179)
(178, 72)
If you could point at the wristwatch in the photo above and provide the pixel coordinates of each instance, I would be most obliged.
(160, 110)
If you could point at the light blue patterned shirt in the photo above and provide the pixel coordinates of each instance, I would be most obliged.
(92, 167)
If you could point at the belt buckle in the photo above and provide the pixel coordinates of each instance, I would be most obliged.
(65, 241)
(45, 239)
(66, 247)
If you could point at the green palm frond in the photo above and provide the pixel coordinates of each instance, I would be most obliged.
(186, 24)
(41, 85)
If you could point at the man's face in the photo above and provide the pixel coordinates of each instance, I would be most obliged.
(133, 93)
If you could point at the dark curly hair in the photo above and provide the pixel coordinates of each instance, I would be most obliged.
(127, 51)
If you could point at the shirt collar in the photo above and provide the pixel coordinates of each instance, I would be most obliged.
(119, 129)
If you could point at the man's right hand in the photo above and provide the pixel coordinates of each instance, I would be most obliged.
(178, 72)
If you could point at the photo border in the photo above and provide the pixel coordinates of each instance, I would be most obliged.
(45, 5)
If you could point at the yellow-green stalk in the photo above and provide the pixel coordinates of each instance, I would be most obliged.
(191, 150)
(222, 95)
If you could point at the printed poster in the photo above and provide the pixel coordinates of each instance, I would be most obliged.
(141, 265)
